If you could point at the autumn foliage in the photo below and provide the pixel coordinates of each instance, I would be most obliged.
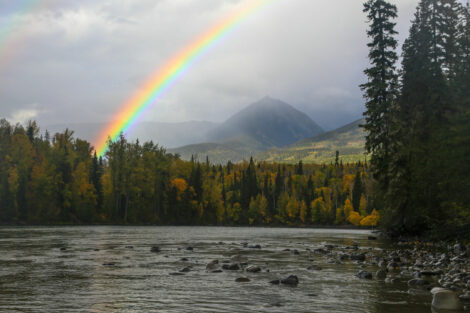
(57, 179)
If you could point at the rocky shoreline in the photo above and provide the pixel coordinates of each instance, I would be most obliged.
(435, 268)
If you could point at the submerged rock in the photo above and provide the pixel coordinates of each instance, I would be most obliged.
(212, 265)
(465, 297)
(417, 282)
(155, 249)
(231, 267)
(176, 274)
(242, 280)
(314, 268)
(381, 274)
(185, 270)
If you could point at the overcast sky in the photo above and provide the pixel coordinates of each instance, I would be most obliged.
(78, 61)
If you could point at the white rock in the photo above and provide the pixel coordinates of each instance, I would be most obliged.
(446, 300)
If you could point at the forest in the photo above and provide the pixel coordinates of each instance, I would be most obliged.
(58, 180)
(414, 180)
(418, 116)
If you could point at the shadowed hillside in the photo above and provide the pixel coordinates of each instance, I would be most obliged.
(348, 140)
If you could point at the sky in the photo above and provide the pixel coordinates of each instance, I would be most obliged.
(79, 61)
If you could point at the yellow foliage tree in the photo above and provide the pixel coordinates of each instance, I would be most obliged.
(339, 216)
(293, 208)
(363, 205)
(348, 208)
(318, 207)
(303, 212)
(371, 220)
(355, 218)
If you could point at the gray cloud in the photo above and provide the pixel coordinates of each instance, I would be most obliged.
(79, 61)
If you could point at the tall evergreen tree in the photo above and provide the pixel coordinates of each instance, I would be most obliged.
(380, 91)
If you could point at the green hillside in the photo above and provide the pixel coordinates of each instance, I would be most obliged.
(348, 140)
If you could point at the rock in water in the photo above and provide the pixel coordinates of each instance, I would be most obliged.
(446, 300)
(155, 249)
(231, 267)
(242, 280)
(358, 257)
(253, 269)
(314, 268)
(292, 280)
(417, 282)
(212, 265)
(176, 274)
(364, 275)
(381, 274)
(185, 270)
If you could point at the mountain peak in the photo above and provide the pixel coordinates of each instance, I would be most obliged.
(269, 122)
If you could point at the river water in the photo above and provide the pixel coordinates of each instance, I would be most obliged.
(111, 269)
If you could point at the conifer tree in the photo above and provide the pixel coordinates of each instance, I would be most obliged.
(380, 91)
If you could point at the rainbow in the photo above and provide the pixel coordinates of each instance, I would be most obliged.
(10, 38)
(166, 76)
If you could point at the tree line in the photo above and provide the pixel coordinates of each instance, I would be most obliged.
(58, 180)
(418, 116)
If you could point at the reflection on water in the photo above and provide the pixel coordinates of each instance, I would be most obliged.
(111, 269)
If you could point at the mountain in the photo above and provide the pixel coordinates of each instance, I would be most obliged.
(349, 140)
(165, 134)
(266, 123)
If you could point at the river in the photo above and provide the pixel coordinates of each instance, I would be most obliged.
(111, 269)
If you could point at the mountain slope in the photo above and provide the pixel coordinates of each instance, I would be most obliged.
(268, 123)
(349, 140)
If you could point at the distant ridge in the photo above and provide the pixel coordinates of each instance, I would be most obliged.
(349, 140)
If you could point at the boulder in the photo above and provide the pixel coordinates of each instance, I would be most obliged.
(364, 275)
(291, 280)
(212, 265)
(253, 269)
(446, 300)
(358, 257)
